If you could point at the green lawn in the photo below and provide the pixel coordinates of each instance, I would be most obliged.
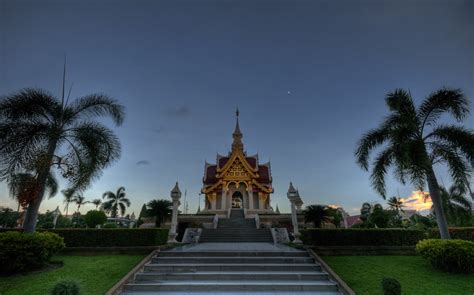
(95, 274)
(364, 275)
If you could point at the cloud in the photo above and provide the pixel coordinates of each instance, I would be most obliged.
(143, 163)
(180, 112)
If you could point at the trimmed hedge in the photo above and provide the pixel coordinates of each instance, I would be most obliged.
(461, 233)
(361, 237)
(117, 237)
(456, 256)
(20, 252)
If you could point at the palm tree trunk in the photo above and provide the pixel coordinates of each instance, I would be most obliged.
(67, 208)
(31, 216)
(435, 195)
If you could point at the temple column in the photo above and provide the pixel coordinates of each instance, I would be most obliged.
(224, 198)
(295, 201)
(175, 196)
(250, 192)
(261, 204)
(213, 201)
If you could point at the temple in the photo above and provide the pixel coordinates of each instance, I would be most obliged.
(237, 181)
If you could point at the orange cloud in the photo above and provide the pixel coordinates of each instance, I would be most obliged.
(418, 200)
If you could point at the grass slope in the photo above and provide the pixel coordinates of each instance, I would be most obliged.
(95, 274)
(364, 275)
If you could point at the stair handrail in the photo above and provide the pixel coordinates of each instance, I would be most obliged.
(257, 221)
(215, 221)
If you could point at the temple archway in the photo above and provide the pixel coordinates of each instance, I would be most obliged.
(237, 200)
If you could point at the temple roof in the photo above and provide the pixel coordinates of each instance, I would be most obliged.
(263, 171)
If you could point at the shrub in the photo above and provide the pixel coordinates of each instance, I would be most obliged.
(120, 237)
(110, 225)
(391, 286)
(94, 218)
(361, 237)
(461, 233)
(65, 288)
(22, 251)
(455, 256)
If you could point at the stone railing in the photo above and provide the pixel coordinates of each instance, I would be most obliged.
(228, 212)
(257, 221)
(215, 221)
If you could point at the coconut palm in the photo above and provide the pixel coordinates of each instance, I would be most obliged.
(22, 185)
(80, 200)
(96, 202)
(42, 131)
(69, 197)
(456, 205)
(317, 214)
(115, 201)
(159, 209)
(413, 142)
(396, 204)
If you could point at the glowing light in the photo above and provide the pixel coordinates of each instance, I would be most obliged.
(418, 201)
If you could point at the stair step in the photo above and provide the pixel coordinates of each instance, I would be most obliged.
(233, 286)
(180, 268)
(234, 254)
(227, 260)
(233, 276)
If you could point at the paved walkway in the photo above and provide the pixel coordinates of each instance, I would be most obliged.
(234, 247)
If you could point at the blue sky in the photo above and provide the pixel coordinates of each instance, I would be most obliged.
(309, 77)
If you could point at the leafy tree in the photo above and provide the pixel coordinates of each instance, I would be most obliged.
(39, 131)
(96, 202)
(317, 214)
(456, 205)
(159, 209)
(115, 201)
(413, 142)
(8, 217)
(379, 217)
(335, 216)
(396, 204)
(78, 220)
(94, 218)
(365, 211)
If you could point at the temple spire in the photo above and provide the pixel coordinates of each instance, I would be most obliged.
(237, 135)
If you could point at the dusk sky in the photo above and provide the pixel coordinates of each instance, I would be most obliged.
(309, 78)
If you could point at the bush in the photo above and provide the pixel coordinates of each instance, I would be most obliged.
(94, 218)
(120, 237)
(361, 237)
(456, 256)
(25, 251)
(391, 286)
(65, 288)
(110, 225)
(461, 233)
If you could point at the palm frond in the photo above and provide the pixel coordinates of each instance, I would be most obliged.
(379, 170)
(97, 105)
(444, 100)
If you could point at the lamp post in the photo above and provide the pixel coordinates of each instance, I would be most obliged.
(175, 197)
(296, 202)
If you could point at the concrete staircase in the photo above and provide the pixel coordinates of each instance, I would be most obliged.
(213, 272)
(236, 229)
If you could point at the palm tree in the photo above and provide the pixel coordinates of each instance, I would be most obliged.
(317, 214)
(22, 185)
(365, 211)
(413, 142)
(115, 201)
(396, 204)
(69, 196)
(42, 131)
(159, 209)
(96, 202)
(456, 206)
(80, 200)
